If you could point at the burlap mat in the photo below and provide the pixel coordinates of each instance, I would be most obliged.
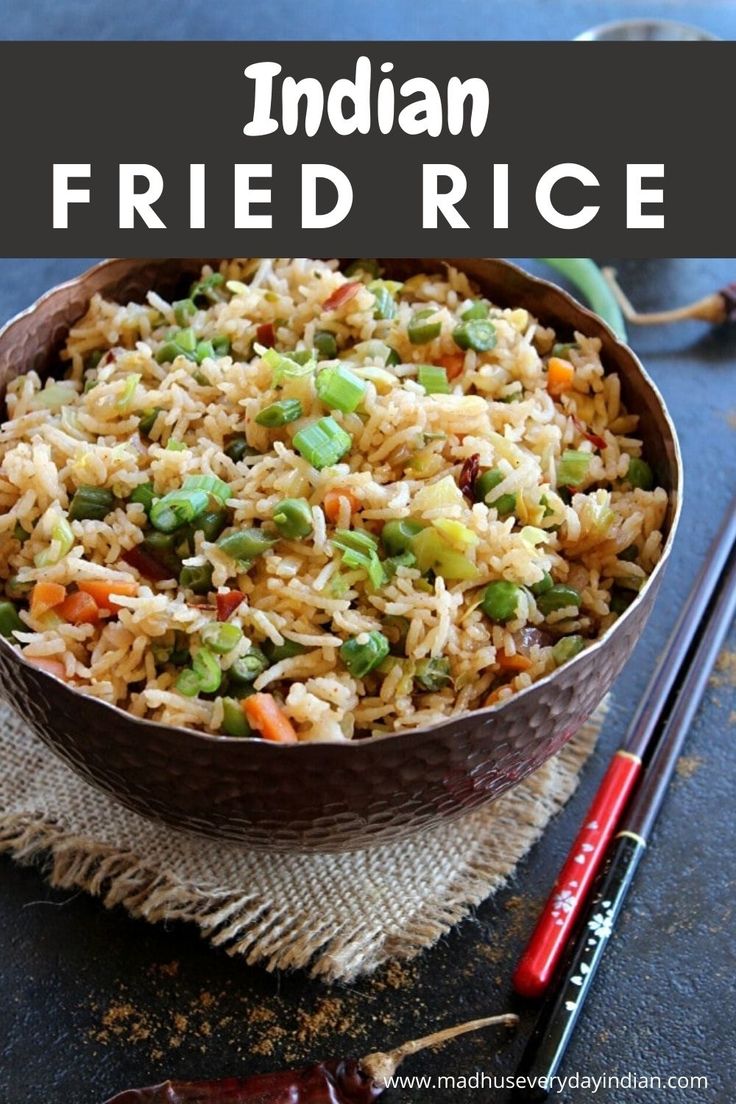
(280, 911)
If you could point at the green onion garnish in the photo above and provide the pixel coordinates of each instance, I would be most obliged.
(279, 413)
(178, 508)
(322, 443)
(209, 483)
(573, 467)
(433, 378)
(340, 389)
(286, 367)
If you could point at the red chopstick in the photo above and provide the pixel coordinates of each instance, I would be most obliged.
(559, 916)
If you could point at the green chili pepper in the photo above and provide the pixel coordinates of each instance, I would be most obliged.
(588, 278)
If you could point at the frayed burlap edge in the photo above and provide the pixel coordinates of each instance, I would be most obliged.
(283, 934)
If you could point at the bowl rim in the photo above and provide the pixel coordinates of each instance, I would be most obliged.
(675, 496)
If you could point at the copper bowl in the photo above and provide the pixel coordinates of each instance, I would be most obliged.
(329, 797)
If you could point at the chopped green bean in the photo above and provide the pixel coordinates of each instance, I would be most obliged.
(325, 344)
(91, 504)
(433, 674)
(478, 334)
(288, 650)
(246, 544)
(420, 331)
(279, 413)
(478, 309)
(145, 495)
(197, 578)
(221, 636)
(293, 518)
(234, 722)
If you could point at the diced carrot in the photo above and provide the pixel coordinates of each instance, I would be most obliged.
(45, 596)
(51, 666)
(265, 334)
(103, 591)
(341, 295)
(264, 713)
(560, 376)
(516, 662)
(79, 608)
(495, 696)
(453, 364)
(227, 603)
(333, 502)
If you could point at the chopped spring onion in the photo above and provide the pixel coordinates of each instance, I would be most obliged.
(178, 508)
(322, 443)
(340, 389)
(358, 539)
(91, 504)
(361, 654)
(205, 351)
(279, 413)
(567, 647)
(434, 553)
(433, 674)
(433, 378)
(368, 562)
(172, 445)
(126, 395)
(184, 311)
(144, 494)
(420, 331)
(62, 540)
(53, 397)
(404, 559)
(573, 467)
(478, 334)
(148, 419)
(385, 307)
(293, 518)
(210, 484)
(285, 367)
(210, 288)
(221, 636)
(10, 622)
(246, 544)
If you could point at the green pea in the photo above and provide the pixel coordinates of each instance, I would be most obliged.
(545, 583)
(247, 668)
(566, 648)
(420, 331)
(557, 597)
(364, 653)
(197, 578)
(221, 636)
(397, 535)
(639, 474)
(433, 674)
(10, 622)
(293, 518)
(234, 722)
(325, 344)
(246, 544)
(486, 483)
(501, 600)
(478, 334)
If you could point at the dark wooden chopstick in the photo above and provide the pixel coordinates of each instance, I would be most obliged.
(558, 918)
(562, 1008)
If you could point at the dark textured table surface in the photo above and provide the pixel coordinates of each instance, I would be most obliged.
(93, 1001)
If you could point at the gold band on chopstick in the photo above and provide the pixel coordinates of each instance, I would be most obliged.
(632, 835)
(629, 755)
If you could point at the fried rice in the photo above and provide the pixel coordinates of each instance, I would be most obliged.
(511, 457)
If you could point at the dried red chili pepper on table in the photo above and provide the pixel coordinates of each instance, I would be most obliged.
(468, 475)
(337, 1081)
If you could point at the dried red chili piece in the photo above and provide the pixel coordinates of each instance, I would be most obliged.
(341, 295)
(227, 603)
(468, 475)
(599, 442)
(148, 567)
(265, 334)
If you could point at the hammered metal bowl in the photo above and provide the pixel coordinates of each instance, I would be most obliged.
(329, 797)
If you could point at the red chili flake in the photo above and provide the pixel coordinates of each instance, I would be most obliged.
(469, 474)
(148, 567)
(265, 334)
(227, 603)
(599, 442)
(342, 295)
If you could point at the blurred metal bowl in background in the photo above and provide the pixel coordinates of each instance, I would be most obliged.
(645, 30)
(329, 797)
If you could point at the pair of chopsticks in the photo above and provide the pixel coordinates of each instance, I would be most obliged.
(579, 916)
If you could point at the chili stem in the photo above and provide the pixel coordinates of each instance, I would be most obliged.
(382, 1065)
